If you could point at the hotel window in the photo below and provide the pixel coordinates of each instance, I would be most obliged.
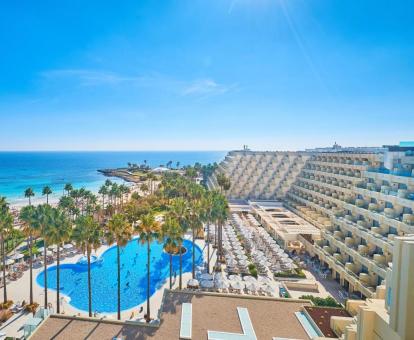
(393, 231)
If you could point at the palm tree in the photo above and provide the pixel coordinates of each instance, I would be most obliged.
(195, 222)
(42, 221)
(29, 193)
(148, 229)
(46, 191)
(68, 188)
(6, 226)
(58, 232)
(221, 211)
(207, 207)
(27, 217)
(172, 234)
(179, 210)
(103, 191)
(119, 230)
(87, 236)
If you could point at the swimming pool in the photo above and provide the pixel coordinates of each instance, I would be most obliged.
(73, 277)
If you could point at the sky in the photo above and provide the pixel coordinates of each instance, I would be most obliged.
(205, 74)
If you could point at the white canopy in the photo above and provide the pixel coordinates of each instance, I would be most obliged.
(207, 284)
(68, 246)
(192, 283)
(222, 284)
(17, 256)
(206, 276)
(237, 285)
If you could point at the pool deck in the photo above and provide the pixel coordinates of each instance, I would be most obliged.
(19, 291)
(268, 317)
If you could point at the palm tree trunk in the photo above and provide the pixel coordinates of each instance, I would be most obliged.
(4, 269)
(215, 235)
(45, 270)
(47, 199)
(30, 243)
(181, 267)
(58, 280)
(170, 270)
(148, 283)
(208, 248)
(193, 269)
(89, 284)
(119, 281)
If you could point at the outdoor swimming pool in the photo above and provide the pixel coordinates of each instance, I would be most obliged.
(73, 277)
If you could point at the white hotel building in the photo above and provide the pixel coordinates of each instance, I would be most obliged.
(359, 198)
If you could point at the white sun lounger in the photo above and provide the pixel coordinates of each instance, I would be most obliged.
(186, 321)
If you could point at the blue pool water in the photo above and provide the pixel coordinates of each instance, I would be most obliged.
(73, 277)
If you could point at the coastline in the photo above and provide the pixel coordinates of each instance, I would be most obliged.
(18, 203)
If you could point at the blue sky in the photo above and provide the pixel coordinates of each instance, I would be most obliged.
(205, 75)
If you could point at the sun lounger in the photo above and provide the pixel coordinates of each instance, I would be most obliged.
(186, 321)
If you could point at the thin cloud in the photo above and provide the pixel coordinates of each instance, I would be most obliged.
(83, 77)
(90, 77)
(206, 87)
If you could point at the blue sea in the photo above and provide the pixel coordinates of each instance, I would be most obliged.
(20, 170)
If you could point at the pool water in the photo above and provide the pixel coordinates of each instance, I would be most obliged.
(74, 277)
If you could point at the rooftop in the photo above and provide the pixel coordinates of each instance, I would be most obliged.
(322, 317)
(210, 312)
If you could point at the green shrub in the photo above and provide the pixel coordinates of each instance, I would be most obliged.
(294, 274)
(252, 270)
(321, 302)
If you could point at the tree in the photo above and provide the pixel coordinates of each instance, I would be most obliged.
(119, 230)
(144, 188)
(103, 190)
(220, 213)
(223, 182)
(6, 226)
(58, 233)
(195, 222)
(29, 193)
(68, 188)
(173, 239)
(149, 230)
(207, 210)
(27, 218)
(42, 221)
(46, 191)
(87, 236)
(179, 210)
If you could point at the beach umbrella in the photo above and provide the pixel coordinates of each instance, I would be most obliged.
(219, 276)
(222, 285)
(207, 284)
(264, 279)
(49, 253)
(237, 285)
(17, 256)
(193, 283)
(41, 249)
(234, 277)
(248, 278)
(251, 286)
(242, 257)
(242, 263)
(9, 262)
(68, 246)
(269, 289)
(206, 276)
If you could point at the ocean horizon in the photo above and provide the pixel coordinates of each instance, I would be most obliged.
(36, 169)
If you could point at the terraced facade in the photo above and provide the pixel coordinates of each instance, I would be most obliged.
(359, 198)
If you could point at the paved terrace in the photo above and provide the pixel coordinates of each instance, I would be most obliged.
(270, 318)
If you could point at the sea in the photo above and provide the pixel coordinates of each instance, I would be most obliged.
(20, 170)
